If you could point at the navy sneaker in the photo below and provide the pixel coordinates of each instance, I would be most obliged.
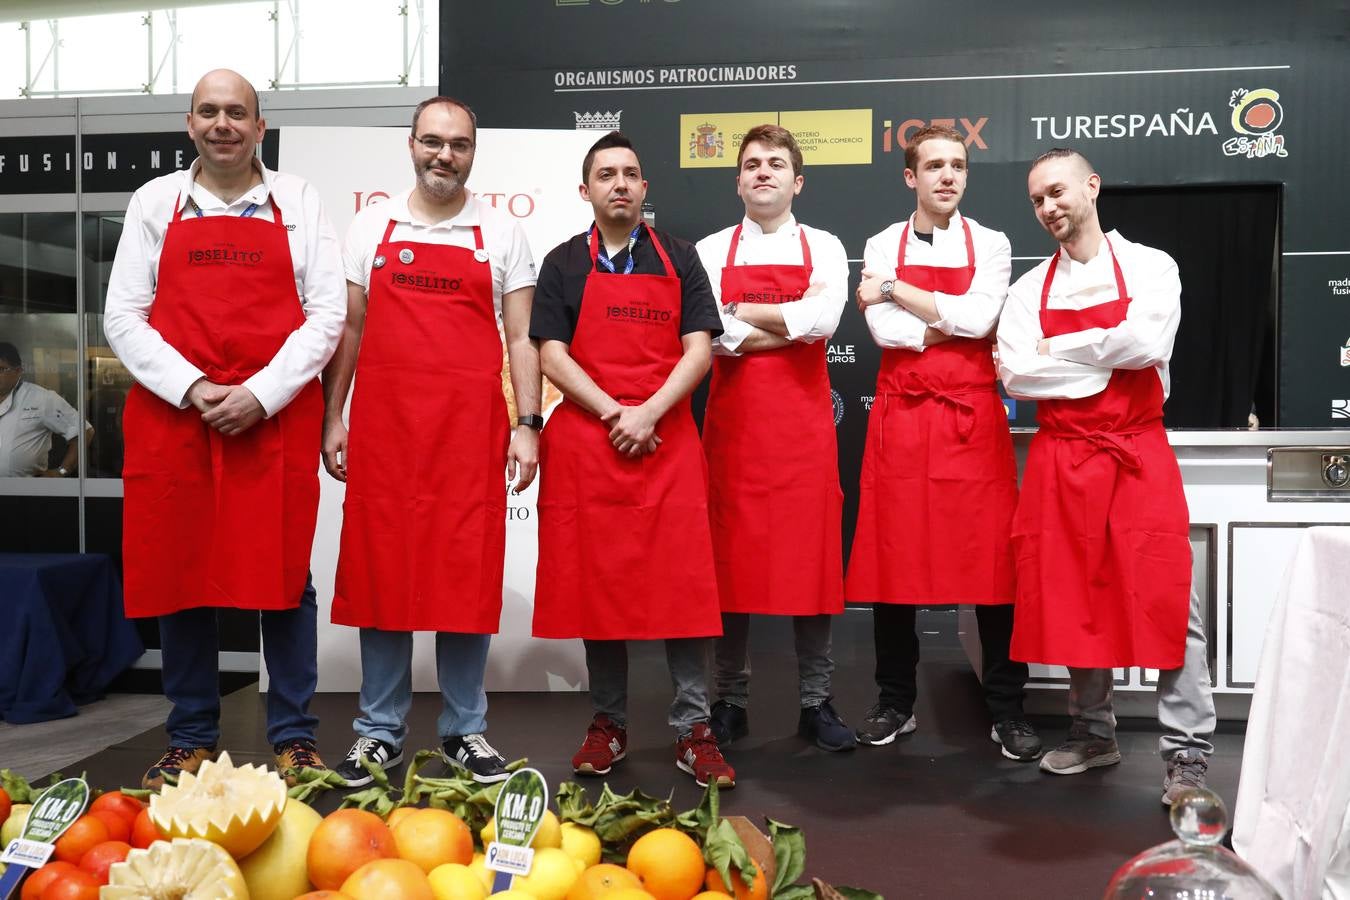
(824, 726)
(728, 722)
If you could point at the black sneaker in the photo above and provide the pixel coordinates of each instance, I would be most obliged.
(1018, 739)
(383, 755)
(824, 726)
(728, 722)
(474, 753)
(883, 724)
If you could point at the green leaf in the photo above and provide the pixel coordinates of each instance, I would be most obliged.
(142, 794)
(18, 788)
(789, 853)
(419, 760)
(856, 893)
(795, 892)
(723, 850)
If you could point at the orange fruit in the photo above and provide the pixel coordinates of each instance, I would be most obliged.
(757, 891)
(382, 879)
(709, 895)
(80, 838)
(399, 815)
(669, 863)
(598, 879)
(101, 857)
(116, 801)
(144, 832)
(324, 895)
(433, 837)
(76, 885)
(119, 827)
(37, 882)
(344, 842)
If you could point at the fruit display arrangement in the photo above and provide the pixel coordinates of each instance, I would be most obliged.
(232, 832)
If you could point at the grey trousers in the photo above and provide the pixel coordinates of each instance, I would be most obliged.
(731, 656)
(687, 658)
(1185, 697)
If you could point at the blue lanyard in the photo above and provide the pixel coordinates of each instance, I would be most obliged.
(603, 258)
(248, 210)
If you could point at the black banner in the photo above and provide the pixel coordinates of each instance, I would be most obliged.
(112, 163)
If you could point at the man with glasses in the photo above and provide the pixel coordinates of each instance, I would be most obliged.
(434, 276)
(225, 301)
(29, 415)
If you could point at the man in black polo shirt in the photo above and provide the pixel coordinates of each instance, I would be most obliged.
(625, 317)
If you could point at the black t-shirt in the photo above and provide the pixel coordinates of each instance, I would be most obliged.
(562, 279)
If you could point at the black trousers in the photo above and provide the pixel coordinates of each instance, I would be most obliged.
(897, 650)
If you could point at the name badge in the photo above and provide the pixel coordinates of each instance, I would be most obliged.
(405, 256)
(377, 262)
(480, 254)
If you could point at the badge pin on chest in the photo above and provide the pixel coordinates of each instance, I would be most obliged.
(405, 256)
(480, 254)
(377, 262)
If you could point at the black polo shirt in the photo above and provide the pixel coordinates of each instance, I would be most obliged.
(562, 279)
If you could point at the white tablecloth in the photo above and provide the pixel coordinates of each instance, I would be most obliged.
(1292, 821)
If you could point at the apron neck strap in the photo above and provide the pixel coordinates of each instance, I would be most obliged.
(593, 242)
(904, 239)
(1121, 293)
(736, 240)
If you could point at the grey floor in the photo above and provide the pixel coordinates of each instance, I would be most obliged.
(45, 747)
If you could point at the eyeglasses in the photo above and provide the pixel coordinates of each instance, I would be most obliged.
(5, 370)
(434, 145)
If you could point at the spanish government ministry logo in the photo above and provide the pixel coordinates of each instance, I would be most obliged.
(598, 121)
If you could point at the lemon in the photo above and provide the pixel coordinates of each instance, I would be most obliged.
(236, 807)
(552, 875)
(172, 870)
(479, 867)
(453, 881)
(13, 827)
(581, 843)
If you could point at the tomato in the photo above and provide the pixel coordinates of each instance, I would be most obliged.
(5, 805)
(143, 831)
(101, 857)
(83, 834)
(116, 801)
(119, 829)
(76, 885)
(37, 881)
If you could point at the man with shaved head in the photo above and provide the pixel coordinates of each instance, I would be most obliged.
(1101, 533)
(225, 301)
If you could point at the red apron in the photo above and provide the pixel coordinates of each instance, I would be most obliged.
(773, 465)
(424, 520)
(939, 479)
(1101, 534)
(624, 546)
(209, 519)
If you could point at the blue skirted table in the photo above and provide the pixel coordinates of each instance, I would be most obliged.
(64, 637)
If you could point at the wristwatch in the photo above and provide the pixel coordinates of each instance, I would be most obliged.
(730, 309)
(64, 471)
(535, 422)
(886, 287)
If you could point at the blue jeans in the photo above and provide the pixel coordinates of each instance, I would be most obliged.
(386, 684)
(190, 661)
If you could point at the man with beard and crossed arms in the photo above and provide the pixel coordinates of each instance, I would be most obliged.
(625, 317)
(431, 273)
(768, 434)
(224, 302)
(939, 479)
(1102, 529)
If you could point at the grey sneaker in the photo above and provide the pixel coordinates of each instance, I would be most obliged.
(1185, 771)
(1080, 752)
(883, 724)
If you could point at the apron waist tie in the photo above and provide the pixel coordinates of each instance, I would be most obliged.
(918, 387)
(1118, 444)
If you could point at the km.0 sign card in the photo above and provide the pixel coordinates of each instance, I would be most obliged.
(52, 813)
(521, 805)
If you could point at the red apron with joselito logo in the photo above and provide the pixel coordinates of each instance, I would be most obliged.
(624, 546)
(939, 479)
(211, 519)
(1101, 534)
(773, 467)
(424, 520)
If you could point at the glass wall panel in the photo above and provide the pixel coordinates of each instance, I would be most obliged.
(108, 380)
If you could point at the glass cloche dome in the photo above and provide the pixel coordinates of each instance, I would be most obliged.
(1193, 867)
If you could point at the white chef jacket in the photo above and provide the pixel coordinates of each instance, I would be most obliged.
(807, 320)
(503, 238)
(315, 256)
(1080, 364)
(970, 315)
(29, 416)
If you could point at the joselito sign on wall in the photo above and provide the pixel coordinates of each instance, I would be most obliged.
(533, 175)
(1155, 93)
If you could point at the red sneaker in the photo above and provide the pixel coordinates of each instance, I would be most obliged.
(606, 743)
(698, 755)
